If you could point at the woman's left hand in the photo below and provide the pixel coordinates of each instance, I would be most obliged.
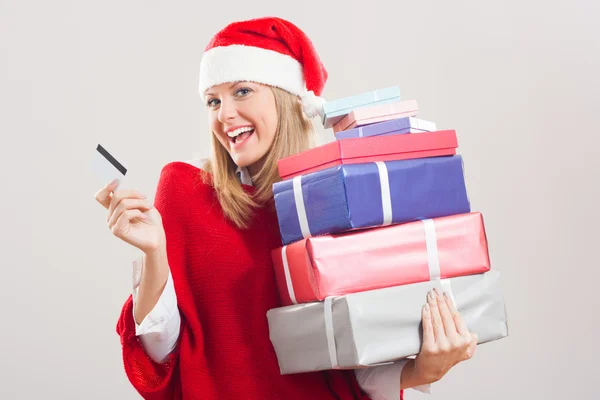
(446, 339)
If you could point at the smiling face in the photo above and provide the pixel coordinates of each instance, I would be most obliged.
(243, 117)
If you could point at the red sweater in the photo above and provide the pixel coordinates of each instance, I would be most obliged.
(225, 285)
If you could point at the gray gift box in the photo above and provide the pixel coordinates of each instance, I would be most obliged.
(378, 326)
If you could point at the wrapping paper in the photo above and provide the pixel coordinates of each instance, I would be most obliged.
(334, 265)
(362, 150)
(337, 109)
(378, 326)
(367, 195)
(395, 126)
(380, 113)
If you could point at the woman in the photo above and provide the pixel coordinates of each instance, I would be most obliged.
(195, 326)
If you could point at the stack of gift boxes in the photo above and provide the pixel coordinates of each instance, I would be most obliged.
(370, 223)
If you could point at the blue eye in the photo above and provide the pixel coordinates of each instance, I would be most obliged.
(212, 103)
(243, 92)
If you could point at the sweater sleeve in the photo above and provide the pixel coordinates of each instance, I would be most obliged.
(152, 380)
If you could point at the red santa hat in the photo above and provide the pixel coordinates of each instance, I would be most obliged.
(270, 51)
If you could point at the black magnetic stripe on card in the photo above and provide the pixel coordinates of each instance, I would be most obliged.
(111, 159)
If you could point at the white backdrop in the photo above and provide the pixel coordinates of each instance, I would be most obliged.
(517, 80)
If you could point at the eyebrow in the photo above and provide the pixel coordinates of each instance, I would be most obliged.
(230, 86)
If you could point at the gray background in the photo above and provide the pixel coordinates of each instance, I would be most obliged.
(517, 80)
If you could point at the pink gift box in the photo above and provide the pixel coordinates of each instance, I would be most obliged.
(335, 265)
(371, 115)
(369, 149)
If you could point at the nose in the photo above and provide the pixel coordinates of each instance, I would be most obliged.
(227, 111)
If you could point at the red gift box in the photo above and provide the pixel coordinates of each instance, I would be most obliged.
(335, 265)
(369, 149)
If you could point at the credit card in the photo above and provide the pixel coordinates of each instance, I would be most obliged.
(107, 167)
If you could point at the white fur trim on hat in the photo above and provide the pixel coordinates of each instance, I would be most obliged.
(247, 63)
(312, 105)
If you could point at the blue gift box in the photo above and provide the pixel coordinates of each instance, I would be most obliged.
(335, 110)
(347, 197)
(393, 127)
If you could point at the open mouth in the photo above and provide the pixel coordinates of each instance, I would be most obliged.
(240, 134)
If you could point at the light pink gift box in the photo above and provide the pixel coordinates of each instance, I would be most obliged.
(357, 261)
(371, 115)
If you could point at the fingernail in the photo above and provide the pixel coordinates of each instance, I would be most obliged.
(114, 182)
(437, 292)
(426, 307)
(431, 295)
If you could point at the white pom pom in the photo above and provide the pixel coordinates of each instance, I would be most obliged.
(312, 104)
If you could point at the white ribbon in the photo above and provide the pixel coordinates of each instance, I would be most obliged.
(360, 132)
(288, 277)
(328, 311)
(300, 209)
(387, 109)
(433, 259)
(447, 287)
(386, 199)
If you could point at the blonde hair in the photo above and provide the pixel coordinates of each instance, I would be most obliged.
(294, 134)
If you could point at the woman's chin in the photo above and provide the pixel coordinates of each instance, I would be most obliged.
(243, 160)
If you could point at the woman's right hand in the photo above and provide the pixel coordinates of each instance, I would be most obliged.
(446, 342)
(131, 218)
(446, 338)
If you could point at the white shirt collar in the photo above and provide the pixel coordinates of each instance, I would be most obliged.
(244, 176)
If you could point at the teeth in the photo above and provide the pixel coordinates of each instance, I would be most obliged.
(239, 131)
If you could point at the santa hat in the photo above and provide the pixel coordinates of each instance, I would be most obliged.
(270, 51)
